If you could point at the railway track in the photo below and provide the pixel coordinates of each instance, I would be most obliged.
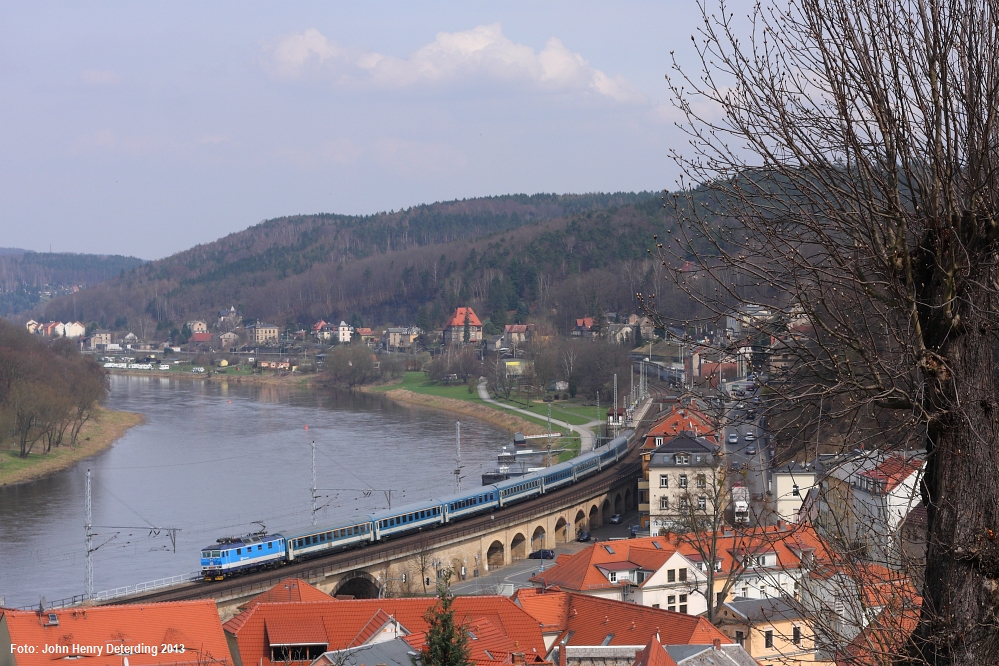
(360, 557)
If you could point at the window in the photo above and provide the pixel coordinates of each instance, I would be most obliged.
(683, 503)
(745, 591)
(683, 480)
(663, 481)
(239, 551)
(682, 575)
(664, 503)
(768, 638)
(702, 502)
(796, 635)
(613, 576)
(671, 576)
(655, 605)
(671, 601)
(270, 545)
(682, 458)
(659, 441)
(795, 491)
(763, 591)
(740, 638)
(683, 603)
(702, 481)
(718, 565)
(719, 598)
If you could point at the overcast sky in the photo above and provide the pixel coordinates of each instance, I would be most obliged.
(146, 128)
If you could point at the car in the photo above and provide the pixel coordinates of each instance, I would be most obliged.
(750, 436)
(733, 438)
(615, 519)
(543, 554)
(756, 400)
(583, 536)
(741, 405)
(751, 451)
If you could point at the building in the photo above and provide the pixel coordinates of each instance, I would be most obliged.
(400, 338)
(584, 328)
(367, 336)
(197, 326)
(581, 620)
(100, 339)
(141, 633)
(789, 485)
(229, 339)
(261, 333)
(454, 329)
(74, 329)
(344, 332)
(515, 335)
(269, 633)
(32, 326)
(685, 469)
(648, 571)
(773, 631)
(200, 338)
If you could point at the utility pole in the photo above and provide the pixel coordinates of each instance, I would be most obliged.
(457, 458)
(313, 482)
(631, 396)
(549, 447)
(615, 401)
(90, 544)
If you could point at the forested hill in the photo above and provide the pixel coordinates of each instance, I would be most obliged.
(564, 254)
(29, 278)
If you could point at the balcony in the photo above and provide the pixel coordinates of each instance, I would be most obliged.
(643, 508)
(643, 484)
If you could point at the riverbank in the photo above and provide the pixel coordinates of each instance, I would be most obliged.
(98, 434)
(480, 411)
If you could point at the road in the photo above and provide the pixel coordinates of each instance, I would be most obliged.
(751, 453)
(586, 436)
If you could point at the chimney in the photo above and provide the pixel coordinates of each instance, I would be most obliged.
(717, 643)
(563, 658)
(518, 658)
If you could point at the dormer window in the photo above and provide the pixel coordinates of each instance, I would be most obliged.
(659, 441)
(613, 576)
(795, 490)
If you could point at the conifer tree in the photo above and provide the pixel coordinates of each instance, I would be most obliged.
(447, 641)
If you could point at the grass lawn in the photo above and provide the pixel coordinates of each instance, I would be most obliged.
(417, 382)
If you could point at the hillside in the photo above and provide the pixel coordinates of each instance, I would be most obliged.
(28, 279)
(565, 256)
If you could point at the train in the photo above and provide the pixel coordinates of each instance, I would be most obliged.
(231, 556)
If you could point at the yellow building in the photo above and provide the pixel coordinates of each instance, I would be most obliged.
(771, 630)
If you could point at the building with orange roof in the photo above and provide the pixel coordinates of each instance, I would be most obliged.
(648, 571)
(290, 589)
(581, 620)
(454, 329)
(272, 633)
(176, 632)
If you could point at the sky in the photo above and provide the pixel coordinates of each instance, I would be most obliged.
(145, 128)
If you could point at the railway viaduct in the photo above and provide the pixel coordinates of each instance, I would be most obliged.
(472, 547)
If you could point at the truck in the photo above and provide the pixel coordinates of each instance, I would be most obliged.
(740, 504)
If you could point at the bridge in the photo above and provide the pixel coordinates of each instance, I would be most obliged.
(471, 547)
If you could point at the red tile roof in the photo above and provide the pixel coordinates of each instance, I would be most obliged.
(654, 654)
(584, 620)
(894, 471)
(352, 622)
(141, 628)
(579, 572)
(201, 337)
(586, 323)
(679, 419)
(458, 318)
(290, 589)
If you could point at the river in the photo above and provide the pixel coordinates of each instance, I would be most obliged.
(212, 458)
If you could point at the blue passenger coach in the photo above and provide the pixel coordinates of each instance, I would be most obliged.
(469, 502)
(406, 519)
(232, 555)
(558, 475)
(519, 488)
(317, 540)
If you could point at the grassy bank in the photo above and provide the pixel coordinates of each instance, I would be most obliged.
(97, 434)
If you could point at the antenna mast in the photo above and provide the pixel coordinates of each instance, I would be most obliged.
(90, 544)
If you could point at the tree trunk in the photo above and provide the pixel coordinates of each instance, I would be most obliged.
(959, 623)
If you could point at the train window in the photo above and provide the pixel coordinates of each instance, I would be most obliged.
(239, 551)
(270, 545)
(260, 547)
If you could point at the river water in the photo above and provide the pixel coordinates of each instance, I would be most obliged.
(211, 459)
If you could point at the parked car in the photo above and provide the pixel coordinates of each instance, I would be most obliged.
(615, 519)
(583, 536)
(543, 554)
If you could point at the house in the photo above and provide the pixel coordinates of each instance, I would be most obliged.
(400, 338)
(229, 339)
(584, 328)
(620, 334)
(74, 329)
(131, 338)
(454, 329)
(582, 620)
(100, 339)
(495, 343)
(229, 319)
(648, 571)
(367, 336)
(515, 334)
(272, 633)
(260, 333)
(52, 329)
(32, 326)
(683, 470)
(773, 631)
(344, 332)
(321, 330)
(197, 326)
(789, 485)
(112, 634)
(200, 338)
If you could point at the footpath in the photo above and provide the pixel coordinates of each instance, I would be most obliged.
(586, 436)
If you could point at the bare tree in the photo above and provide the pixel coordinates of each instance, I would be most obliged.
(843, 174)
(423, 561)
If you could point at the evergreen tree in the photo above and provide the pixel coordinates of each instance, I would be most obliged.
(468, 327)
(447, 641)
(638, 335)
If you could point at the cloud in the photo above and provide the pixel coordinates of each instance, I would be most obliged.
(482, 53)
(100, 77)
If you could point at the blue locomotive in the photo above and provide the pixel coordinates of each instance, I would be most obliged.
(232, 556)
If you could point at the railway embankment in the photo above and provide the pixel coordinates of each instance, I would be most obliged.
(100, 433)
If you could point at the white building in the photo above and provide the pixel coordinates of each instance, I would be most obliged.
(344, 332)
(74, 330)
(789, 485)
